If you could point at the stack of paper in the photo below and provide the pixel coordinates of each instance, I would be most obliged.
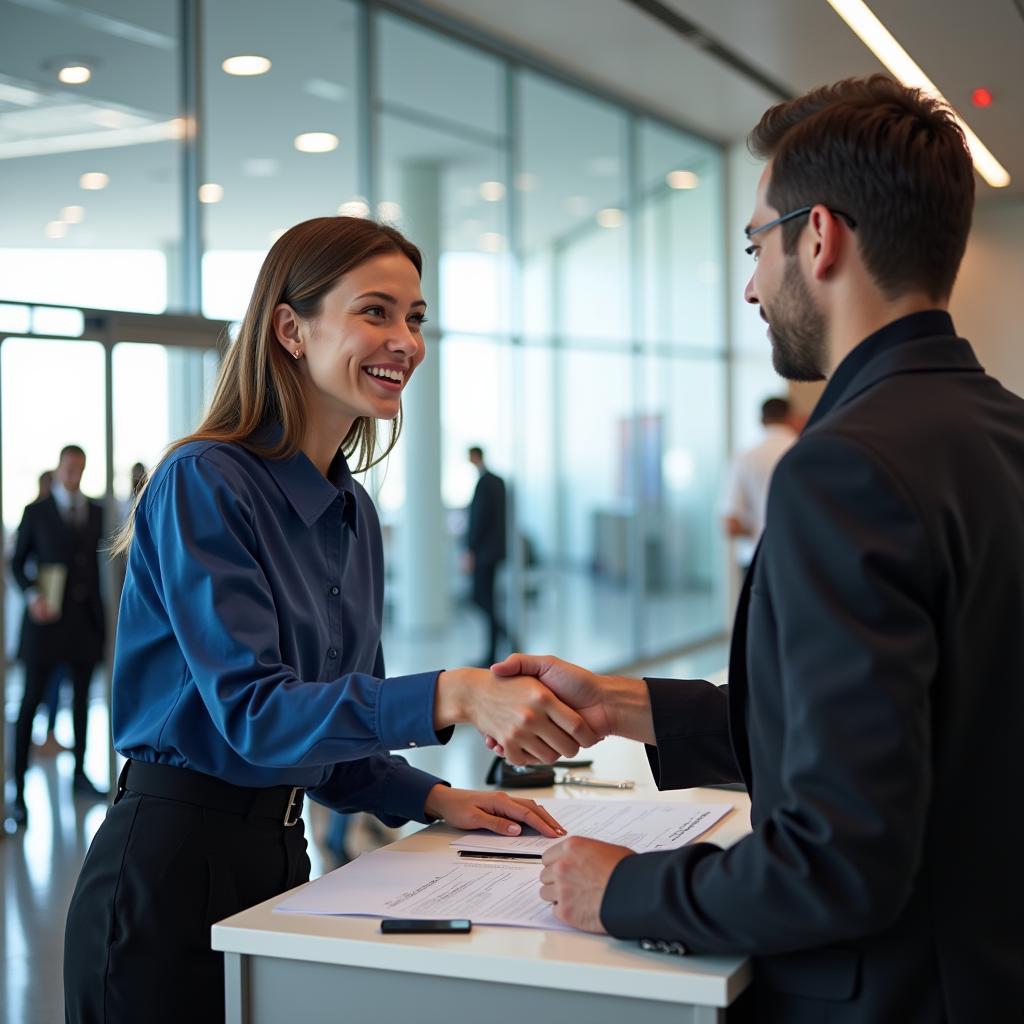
(390, 883)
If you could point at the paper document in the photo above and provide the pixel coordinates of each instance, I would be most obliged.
(50, 580)
(643, 826)
(425, 885)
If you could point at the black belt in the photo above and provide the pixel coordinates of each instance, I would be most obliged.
(279, 803)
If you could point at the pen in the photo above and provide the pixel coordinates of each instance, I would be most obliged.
(586, 780)
(487, 855)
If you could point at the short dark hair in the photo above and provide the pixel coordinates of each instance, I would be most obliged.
(476, 452)
(71, 449)
(774, 410)
(892, 158)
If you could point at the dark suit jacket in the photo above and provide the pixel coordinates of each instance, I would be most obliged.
(485, 535)
(45, 538)
(876, 713)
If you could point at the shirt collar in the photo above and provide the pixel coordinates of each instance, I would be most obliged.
(929, 323)
(64, 499)
(308, 491)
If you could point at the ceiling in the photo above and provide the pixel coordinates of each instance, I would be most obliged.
(799, 43)
(429, 83)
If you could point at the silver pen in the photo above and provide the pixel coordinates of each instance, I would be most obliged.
(586, 780)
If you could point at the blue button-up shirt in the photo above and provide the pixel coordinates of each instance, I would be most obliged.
(248, 640)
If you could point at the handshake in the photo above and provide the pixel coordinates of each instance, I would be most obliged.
(537, 708)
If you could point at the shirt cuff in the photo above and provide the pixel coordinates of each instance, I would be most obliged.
(405, 712)
(406, 795)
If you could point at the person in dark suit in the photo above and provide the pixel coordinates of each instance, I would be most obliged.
(874, 709)
(59, 533)
(486, 547)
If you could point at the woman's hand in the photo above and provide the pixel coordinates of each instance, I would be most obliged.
(495, 811)
(523, 715)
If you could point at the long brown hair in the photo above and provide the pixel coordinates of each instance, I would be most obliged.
(257, 380)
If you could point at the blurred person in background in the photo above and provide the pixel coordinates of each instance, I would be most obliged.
(486, 543)
(747, 494)
(56, 564)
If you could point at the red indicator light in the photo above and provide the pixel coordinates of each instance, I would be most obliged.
(981, 98)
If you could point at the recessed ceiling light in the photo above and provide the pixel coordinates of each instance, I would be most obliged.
(492, 191)
(245, 65)
(357, 207)
(682, 179)
(316, 142)
(73, 214)
(74, 74)
(610, 217)
(55, 229)
(211, 192)
(93, 181)
(880, 41)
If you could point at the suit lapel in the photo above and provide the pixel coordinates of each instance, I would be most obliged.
(738, 678)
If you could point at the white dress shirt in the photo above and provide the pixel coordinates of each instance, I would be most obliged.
(747, 495)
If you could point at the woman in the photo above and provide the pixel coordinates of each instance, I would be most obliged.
(248, 665)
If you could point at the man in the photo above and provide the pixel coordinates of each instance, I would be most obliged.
(485, 544)
(875, 702)
(56, 565)
(747, 494)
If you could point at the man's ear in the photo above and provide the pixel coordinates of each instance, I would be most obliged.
(286, 327)
(826, 239)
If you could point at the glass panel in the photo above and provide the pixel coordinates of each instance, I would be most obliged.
(683, 475)
(258, 182)
(90, 204)
(159, 396)
(573, 186)
(439, 78)
(53, 395)
(594, 613)
(682, 239)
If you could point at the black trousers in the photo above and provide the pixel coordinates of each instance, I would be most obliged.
(483, 597)
(158, 874)
(38, 673)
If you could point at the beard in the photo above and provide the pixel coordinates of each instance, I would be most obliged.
(796, 329)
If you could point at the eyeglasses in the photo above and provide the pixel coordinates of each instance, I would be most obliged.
(751, 250)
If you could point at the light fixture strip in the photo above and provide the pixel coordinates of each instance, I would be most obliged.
(881, 42)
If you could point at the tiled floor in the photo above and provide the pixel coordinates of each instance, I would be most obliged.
(40, 864)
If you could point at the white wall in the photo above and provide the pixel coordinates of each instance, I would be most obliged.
(987, 299)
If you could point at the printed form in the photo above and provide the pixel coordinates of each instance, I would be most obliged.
(426, 885)
(643, 826)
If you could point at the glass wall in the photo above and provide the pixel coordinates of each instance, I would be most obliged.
(573, 261)
(90, 210)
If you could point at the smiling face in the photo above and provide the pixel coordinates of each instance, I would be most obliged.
(796, 326)
(357, 355)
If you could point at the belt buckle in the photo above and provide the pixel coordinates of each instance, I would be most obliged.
(288, 821)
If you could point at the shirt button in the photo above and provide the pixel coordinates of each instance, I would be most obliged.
(412, 743)
(335, 591)
(332, 652)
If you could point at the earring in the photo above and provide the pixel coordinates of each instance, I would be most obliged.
(297, 353)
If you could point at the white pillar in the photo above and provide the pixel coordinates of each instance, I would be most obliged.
(423, 544)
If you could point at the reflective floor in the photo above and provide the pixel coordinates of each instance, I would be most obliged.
(40, 864)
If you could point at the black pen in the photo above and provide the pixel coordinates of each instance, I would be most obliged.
(498, 855)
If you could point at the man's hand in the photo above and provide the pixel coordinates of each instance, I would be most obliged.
(39, 611)
(576, 686)
(575, 876)
(525, 718)
(610, 705)
(499, 812)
